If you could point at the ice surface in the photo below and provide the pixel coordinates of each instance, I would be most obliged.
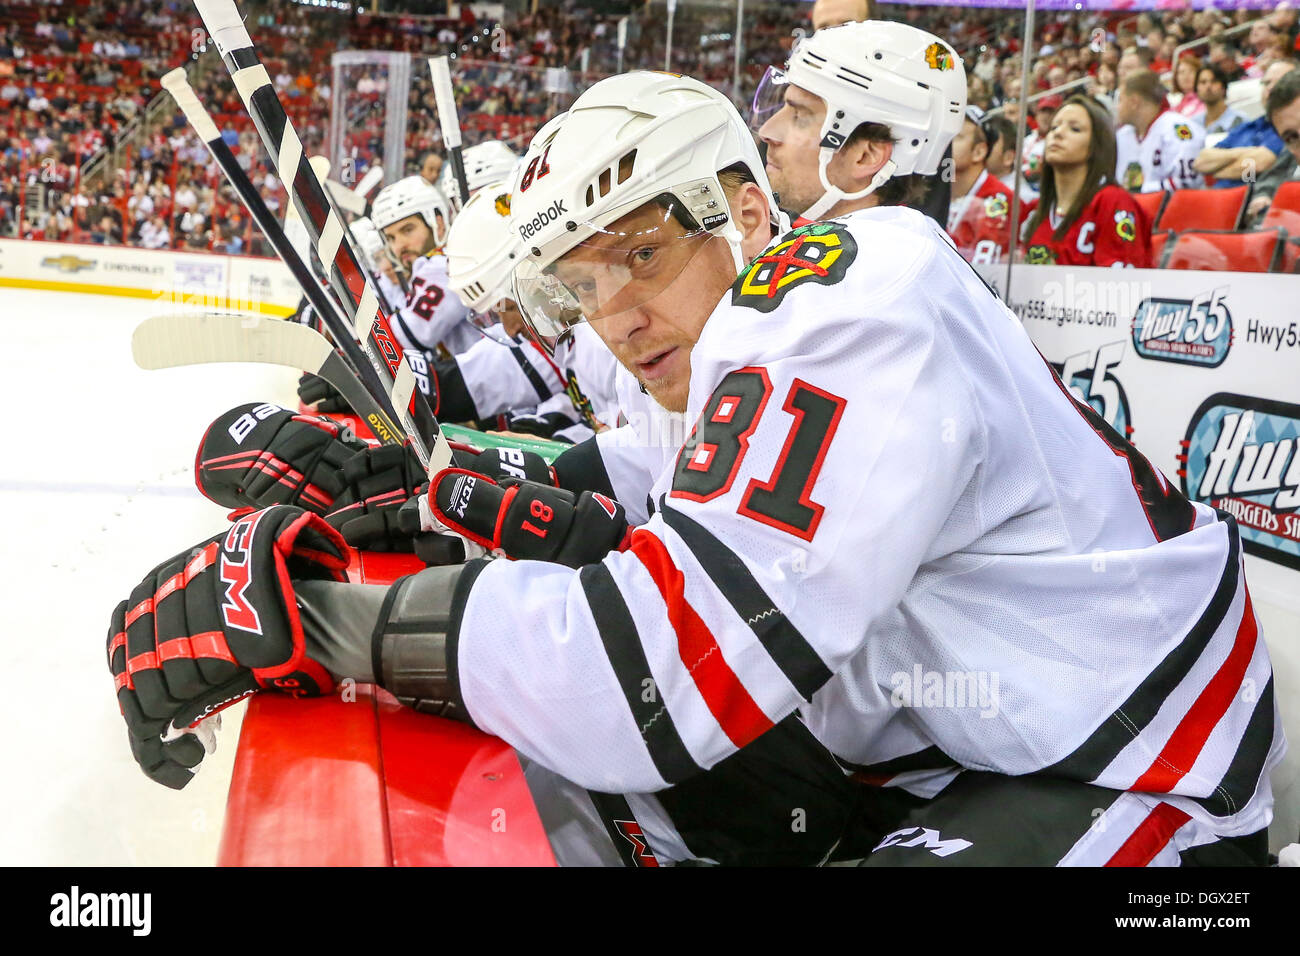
(96, 487)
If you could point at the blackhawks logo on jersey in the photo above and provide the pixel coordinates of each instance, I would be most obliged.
(581, 402)
(502, 205)
(937, 57)
(1125, 226)
(995, 207)
(1039, 256)
(1182, 131)
(1133, 176)
(818, 252)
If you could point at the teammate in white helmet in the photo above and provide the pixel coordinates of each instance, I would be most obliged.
(487, 162)
(505, 373)
(887, 491)
(836, 144)
(414, 218)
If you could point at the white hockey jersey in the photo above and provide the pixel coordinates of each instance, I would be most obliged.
(433, 315)
(590, 370)
(1161, 160)
(502, 374)
(892, 518)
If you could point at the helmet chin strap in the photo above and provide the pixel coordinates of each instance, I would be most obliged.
(734, 239)
(834, 194)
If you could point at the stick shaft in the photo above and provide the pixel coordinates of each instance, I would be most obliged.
(177, 84)
(324, 224)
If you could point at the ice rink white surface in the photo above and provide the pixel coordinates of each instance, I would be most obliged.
(96, 487)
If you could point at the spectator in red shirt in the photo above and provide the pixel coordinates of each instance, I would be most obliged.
(1083, 219)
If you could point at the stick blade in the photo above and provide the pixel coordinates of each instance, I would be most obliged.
(198, 338)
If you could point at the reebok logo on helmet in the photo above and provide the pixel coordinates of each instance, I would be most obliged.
(542, 219)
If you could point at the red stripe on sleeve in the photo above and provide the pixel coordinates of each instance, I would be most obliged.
(741, 719)
(1189, 737)
(1150, 836)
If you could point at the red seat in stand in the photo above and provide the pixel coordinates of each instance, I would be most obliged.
(1205, 209)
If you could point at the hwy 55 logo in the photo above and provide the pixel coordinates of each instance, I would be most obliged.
(1088, 377)
(1240, 455)
(1188, 331)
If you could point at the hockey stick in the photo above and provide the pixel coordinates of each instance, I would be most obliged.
(177, 84)
(449, 120)
(201, 338)
(349, 280)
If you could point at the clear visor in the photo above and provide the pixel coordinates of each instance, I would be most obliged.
(504, 316)
(617, 268)
(768, 98)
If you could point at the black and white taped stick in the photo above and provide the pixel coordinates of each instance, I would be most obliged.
(203, 338)
(325, 225)
(445, 98)
(178, 85)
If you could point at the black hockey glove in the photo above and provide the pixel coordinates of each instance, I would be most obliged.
(379, 481)
(257, 455)
(526, 520)
(543, 426)
(314, 390)
(502, 463)
(212, 625)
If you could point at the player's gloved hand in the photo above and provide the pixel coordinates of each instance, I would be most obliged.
(526, 520)
(379, 480)
(502, 463)
(257, 455)
(543, 426)
(212, 625)
(314, 390)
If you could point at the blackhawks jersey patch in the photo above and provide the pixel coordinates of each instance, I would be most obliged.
(818, 252)
(1125, 225)
(502, 205)
(1039, 256)
(1182, 131)
(995, 207)
(1133, 176)
(581, 402)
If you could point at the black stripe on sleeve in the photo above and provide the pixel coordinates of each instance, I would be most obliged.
(1095, 754)
(534, 377)
(581, 468)
(931, 758)
(455, 403)
(800, 663)
(623, 646)
(1242, 779)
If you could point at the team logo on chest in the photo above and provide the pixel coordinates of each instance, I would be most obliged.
(819, 252)
(1183, 131)
(1125, 226)
(1133, 176)
(995, 207)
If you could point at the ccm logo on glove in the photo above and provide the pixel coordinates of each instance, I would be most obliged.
(235, 574)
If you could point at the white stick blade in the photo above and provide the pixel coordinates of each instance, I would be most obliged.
(198, 338)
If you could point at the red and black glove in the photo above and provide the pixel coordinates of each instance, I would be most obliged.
(208, 627)
(257, 455)
(379, 481)
(527, 520)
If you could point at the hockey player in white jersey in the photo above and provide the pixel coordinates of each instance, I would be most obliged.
(885, 482)
(414, 218)
(1155, 147)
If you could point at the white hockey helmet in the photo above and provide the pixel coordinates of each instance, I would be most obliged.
(628, 141)
(412, 196)
(487, 162)
(874, 71)
(368, 239)
(482, 251)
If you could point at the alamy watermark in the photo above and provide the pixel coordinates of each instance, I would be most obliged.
(947, 689)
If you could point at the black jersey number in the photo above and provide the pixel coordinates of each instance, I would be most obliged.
(425, 298)
(710, 459)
